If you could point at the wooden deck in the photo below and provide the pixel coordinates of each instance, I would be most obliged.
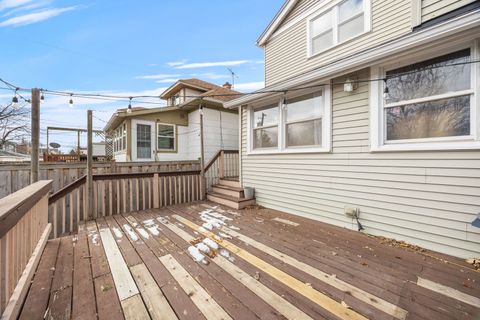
(269, 265)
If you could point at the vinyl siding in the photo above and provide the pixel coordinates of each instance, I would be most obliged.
(301, 7)
(425, 198)
(286, 52)
(434, 8)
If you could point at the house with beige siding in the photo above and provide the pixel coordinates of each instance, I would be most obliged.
(172, 132)
(371, 110)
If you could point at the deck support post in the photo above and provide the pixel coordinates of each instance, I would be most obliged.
(34, 168)
(202, 156)
(90, 197)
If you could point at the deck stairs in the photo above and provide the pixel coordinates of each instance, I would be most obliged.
(229, 193)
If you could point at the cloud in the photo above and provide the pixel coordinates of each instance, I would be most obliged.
(249, 86)
(27, 7)
(176, 63)
(9, 4)
(210, 75)
(35, 17)
(211, 64)
(158, 76)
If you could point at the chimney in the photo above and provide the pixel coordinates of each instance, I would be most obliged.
(227, 85)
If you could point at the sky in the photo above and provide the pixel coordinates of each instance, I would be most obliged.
(126, 48)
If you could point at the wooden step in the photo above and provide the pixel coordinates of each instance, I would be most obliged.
(229, 191)
(229, 201)
(230, 182)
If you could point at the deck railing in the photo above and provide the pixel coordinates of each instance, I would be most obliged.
(24, 231)
(224, 164)
(120, 193)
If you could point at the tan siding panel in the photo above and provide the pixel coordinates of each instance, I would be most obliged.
(426, 198)
(434, 8)
(286, 53)
(298, 9)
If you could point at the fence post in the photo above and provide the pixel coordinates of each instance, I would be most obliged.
(90, 197)
(35, 135)
(221, 165)
(155, 189)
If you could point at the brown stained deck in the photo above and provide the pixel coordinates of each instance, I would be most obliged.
(155, 277)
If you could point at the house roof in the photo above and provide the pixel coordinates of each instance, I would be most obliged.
(191, 83)
(221, 94)
(121, 114)
(286, 8)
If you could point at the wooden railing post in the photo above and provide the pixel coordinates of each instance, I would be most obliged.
(221, 165)
(155, 190)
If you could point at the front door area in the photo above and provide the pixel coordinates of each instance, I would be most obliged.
(143, 140)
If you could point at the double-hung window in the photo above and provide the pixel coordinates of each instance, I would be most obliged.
(120, 138)
(342, 22)
(428, 105)
(166, 137)
(265, 127)
(299, 123)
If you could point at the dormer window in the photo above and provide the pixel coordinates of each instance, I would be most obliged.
(346, 20)
(176, 99)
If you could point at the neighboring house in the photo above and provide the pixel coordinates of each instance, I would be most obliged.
(173, 132)
(10, 156)
(404, 151)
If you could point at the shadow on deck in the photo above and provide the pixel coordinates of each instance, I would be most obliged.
(248, 264)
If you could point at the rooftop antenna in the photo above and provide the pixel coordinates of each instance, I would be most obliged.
(234, 75)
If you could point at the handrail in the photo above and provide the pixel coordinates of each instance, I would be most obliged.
(65, 190)
(13, 207)
(215, 157)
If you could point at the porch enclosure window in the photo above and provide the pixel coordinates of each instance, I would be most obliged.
(293, 124)
(144, 141)
(429, 100)
(303, 121)
(120, 138)
(344, 21)
(166, 137)
(265, 124)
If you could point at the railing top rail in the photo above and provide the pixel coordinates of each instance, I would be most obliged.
(112, 176)
(14, 206)
(65, 190)
(217, 155)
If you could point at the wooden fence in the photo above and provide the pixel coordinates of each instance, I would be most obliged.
(24, 231)
(225, 164)
(14, 177)
(121, 193)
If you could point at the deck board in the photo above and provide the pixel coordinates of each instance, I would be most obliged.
(277, 266)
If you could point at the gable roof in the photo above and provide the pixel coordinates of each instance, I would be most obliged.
(286, 8)
(191, 83)
(221, 94)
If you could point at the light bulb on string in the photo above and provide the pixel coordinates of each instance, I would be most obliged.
(15, 99)
(70, 103)
(42, 97)
(129, 109)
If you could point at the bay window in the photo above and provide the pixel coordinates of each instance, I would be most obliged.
(166, 137)
(299, 123)
(344, 21)
(429, 104)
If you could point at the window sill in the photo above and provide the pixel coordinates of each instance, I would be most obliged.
(166, 151)
(289, 151)
(443, 146)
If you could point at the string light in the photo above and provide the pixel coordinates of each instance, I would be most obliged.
(42, 97)
(70, 103)
(129, 109)
(15, 98)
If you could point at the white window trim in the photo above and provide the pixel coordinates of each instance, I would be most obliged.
(134, 139)
(281, 148)
(174, 137)
(119, 138)
(377, 106)
(334, 6)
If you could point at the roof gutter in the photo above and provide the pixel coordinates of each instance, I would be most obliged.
(365, 58)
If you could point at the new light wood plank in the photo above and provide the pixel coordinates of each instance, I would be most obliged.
(310, 293)
(156, 303)
(332, 280)
(134, 309)
(122, 278)
(209, 307)
(449, 292)
(263, 292)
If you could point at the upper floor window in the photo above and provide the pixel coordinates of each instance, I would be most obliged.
(166, 137)
(427, 105)
(344, 21)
